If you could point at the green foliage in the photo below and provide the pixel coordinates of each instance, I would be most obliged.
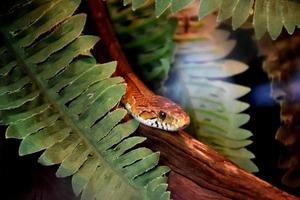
(199, 85)
(56, 98)
(269, 15)
(160, 5)
(141, 31)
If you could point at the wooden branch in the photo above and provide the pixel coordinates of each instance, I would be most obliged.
(209, 174)
(198, 172)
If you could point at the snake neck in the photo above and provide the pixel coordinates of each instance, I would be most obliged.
(137, 94)
(136, 86)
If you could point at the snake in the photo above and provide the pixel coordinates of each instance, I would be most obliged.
(151, 109)
(145, 106)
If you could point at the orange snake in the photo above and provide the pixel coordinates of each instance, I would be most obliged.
(145, 106)
(151, 109)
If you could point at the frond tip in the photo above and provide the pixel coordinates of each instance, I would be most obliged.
(56, 98)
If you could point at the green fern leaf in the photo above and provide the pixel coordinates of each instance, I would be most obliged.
(56, 98)
(241, 13)
(161, 6)
(226, 9)
(215, 112)
(137, 4)
(260, 18)
(207, 6)
(269, 15)
(141, 31)
(179, 4)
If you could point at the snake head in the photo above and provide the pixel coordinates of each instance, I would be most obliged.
(159, 112)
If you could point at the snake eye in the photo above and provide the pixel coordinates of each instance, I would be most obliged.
(162, 115)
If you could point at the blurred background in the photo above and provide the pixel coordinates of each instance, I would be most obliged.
(23, 178)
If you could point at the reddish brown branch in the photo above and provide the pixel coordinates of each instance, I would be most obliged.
(210, 174)
(198, 172)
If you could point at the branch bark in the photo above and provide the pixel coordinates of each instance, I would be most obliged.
(198, 172)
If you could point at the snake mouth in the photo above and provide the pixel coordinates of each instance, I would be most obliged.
(157, 124)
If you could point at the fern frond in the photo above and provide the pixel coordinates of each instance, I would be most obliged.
(160, 5)
(269, 15)
(141, 31)
(56, 98)
(212, 103)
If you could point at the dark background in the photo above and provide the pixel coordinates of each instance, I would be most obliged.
(264, 112)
